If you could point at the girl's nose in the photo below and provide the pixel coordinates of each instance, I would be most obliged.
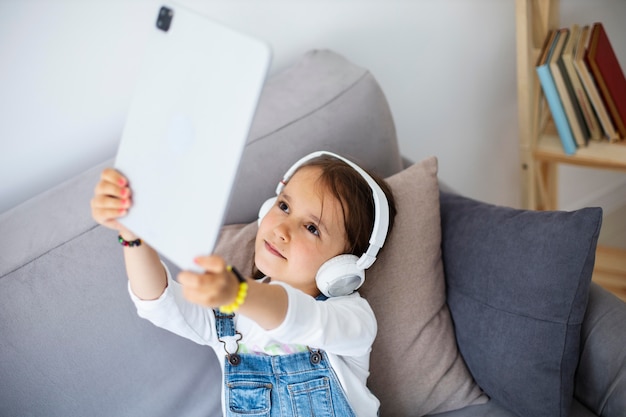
(282, 231)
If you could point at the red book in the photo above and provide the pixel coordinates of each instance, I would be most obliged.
(608, 75)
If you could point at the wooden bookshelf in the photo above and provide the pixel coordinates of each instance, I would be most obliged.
(541, 151)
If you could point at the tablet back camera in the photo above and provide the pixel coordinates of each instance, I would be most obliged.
(165, 18)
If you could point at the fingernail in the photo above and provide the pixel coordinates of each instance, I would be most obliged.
(124, 192)
(121, 181)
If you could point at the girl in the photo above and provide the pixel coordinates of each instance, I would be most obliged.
(290, 350)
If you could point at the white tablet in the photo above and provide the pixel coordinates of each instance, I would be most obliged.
(188, 122)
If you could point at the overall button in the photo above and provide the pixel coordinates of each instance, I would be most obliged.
(315, 358)
(234, 359)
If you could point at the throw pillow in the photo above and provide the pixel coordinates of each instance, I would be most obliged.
(415, 366)
(518, 284)
(236, 244)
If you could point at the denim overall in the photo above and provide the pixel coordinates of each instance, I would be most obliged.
(298, 384)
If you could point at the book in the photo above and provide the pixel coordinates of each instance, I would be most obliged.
(594, 131)
(561, 81)
(552, 96)
(608, 75)
(590, 86)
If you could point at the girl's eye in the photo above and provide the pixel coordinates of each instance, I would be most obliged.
(283, 206)
(313, 229)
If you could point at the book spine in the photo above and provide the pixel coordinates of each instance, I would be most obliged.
(590, 120)
(570, 104)
(596, 101)
(556, 108)
(610, 77)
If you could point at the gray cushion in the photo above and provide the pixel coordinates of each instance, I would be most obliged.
(518, 286)
(490, 409)
(601, 374)
(493, 409)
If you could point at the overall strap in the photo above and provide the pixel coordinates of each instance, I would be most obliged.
(225, 327)
(224, 324)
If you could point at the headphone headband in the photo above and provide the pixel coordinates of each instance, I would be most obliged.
(381, 205)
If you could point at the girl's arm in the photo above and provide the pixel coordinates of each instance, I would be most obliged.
(145, 271)
(112, 200)
(342, 325)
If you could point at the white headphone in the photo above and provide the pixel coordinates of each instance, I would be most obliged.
(343, 274)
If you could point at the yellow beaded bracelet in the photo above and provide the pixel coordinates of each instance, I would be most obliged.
(241, 294)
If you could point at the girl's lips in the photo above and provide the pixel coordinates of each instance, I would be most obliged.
(271, 249)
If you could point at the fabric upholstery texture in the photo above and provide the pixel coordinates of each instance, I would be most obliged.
(518, 284)
(600, 378)
(493, 409)
(406, 289)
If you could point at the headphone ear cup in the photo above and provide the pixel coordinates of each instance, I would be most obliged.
(339, 276)
(265, 208)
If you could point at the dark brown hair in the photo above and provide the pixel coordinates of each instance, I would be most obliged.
(355, 197)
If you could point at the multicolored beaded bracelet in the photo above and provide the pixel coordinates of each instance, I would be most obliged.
(129, 243)
(242, 293)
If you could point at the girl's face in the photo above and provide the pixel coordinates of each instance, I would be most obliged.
(304, 229)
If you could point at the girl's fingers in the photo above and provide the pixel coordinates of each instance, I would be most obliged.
(113, 176)
(208, 289)
(112, 189)
(106, 210)
(197, 288)
(212, 263)
(199, 281)
(111, 200)
(106, 202)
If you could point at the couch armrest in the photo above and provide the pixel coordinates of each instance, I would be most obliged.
(601, 375)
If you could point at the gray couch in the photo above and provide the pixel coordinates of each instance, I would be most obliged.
(483, 310)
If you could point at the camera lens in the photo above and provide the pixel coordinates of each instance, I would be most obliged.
(164, 20)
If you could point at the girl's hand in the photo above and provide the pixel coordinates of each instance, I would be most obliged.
(215, 287)
(111, 200)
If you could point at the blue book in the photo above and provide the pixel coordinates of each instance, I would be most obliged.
(553, 46)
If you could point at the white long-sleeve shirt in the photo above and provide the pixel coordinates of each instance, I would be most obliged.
(344, 327)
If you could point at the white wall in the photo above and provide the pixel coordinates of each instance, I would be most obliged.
(447, 67)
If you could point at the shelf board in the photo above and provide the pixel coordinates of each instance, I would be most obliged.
(602, 155)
